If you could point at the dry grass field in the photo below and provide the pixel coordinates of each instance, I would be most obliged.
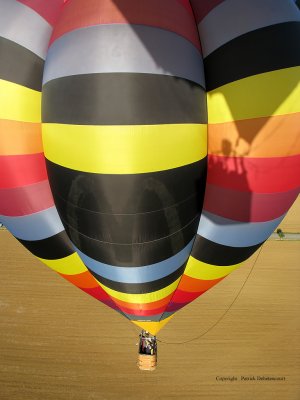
(57, 343)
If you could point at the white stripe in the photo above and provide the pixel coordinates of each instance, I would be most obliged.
(25, 27)
(123, 48)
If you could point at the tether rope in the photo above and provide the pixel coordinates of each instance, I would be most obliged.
(226, 311)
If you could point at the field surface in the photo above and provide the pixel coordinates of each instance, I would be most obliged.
(57, 343)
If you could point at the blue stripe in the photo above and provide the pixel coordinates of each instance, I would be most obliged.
(37, 226)
(234, 233)
(143, 274)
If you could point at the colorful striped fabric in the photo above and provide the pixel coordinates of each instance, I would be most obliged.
(26, 202)
(171, 136)
(125, 138)
(252, 74)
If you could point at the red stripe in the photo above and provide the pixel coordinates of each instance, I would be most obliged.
(182, 299)
(48, 9)
(203, 7)
(187, 5)
(181, 296)
(173, 307)
(166, 14)
(22, 170)
(260, 175)
(247, 206)
(145, 313)
(26, 200)
(99, 294)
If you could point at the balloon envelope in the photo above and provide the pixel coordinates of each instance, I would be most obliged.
(171, 137)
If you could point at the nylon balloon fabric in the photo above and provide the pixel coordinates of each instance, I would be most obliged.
(251, 61)
(170, 138)
(124, 131)
(26, 203)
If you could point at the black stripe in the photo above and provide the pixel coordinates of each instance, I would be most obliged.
(123, 99)
(217, 254)
(52, 248)
(20, 65)
(134, 254)
(128, 194)
(266, 49)
(141, 288)
(128, 228)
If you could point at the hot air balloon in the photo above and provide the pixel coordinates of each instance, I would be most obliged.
(170, 133)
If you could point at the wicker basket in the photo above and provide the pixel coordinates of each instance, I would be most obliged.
(147, 362)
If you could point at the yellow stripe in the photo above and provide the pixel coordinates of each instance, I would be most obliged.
(19, 103)
(70, 265)
(126, 149)
(200, 270)
(263, 95)
(152, 327)
(141, 298)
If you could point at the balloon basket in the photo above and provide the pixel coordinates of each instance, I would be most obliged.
(147, 362)
(147, 358)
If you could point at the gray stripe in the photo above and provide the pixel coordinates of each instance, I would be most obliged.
(233, 233)
(144, 318)
(123, 48)
(167, 314)
(24, 26)
(37, 226)
(233, 18)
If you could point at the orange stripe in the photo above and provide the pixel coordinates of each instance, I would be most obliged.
(18, 138)
(188, 284)
(274, 136)
(84, 280)
(145, 306)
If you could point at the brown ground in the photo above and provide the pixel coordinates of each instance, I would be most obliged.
(57, 343)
